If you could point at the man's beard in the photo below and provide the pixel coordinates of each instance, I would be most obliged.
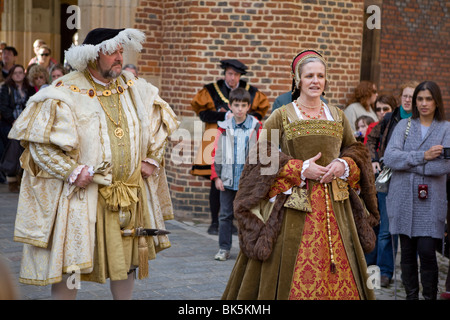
(111, 74)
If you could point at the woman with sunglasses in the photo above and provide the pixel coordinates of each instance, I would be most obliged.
(377, 140)
(44, 58)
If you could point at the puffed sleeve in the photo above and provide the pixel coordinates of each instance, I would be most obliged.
(202, 102)
(48, 132)
(47, 122)
(260, 105)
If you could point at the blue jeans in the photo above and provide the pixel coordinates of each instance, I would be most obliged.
(226, 217)
(383, 254)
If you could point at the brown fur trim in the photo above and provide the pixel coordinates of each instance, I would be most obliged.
(364, 224)
(360, 154)
(257, 238)
(366, 234)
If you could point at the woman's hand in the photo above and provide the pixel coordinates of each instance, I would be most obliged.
(376, 167)
(433, 152)
(335, 169)
(315, 171)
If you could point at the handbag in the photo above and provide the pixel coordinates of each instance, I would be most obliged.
(383, 179)
(10, 163)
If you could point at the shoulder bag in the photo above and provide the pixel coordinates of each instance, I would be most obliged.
(383, 179)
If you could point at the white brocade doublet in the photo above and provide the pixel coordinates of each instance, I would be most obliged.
(63, 127)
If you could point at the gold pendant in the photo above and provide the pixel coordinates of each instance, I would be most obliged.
(119, 133)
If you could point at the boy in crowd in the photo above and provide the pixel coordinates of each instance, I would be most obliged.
(235, 137)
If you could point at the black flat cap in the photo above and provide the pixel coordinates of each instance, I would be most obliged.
(99, 35)
(235, 64)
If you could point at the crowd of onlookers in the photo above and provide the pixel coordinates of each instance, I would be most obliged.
(374, 117)
(18, 84)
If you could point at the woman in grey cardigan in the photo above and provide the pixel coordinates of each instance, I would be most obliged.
(416, 202)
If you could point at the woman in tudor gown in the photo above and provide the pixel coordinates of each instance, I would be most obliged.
(297, 228)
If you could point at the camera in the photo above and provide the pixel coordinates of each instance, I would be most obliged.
(423, 191)
(446, 153)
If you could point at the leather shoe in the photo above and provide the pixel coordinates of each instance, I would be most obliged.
(384, 281)
(213, 229)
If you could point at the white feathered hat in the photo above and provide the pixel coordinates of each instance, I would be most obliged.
(106, 40)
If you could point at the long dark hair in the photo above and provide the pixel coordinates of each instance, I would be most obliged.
(439, 113)
(10, 82)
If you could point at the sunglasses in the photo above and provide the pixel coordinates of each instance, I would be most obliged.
(385, 109)
(44, 54)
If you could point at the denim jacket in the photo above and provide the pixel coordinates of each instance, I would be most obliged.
(231, 148)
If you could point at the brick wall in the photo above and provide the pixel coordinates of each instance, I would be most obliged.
(415, 43)
(186, 40)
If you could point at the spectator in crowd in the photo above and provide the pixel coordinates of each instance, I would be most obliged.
(361, 125)
(9, 56)
(57, 72)
(384, 104)
(14, 95)
(38, 76)
(36, 46)
(44, 58)
(419, 178)
(131, 68)
(362, 103)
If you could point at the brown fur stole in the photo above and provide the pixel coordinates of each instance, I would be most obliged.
(257, 238)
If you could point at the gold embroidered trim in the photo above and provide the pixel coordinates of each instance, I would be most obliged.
(301, 128)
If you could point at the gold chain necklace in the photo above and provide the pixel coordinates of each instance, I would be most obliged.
(308, 107)
(118, 132)
(216, 86)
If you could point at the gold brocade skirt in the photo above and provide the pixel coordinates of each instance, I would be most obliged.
(115, 255)
(313, 278)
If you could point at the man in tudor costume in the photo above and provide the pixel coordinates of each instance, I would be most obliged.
(211, 105)
(94, 183)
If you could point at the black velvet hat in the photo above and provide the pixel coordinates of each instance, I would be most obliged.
(235, 64)
(99, 35)
(104, 40)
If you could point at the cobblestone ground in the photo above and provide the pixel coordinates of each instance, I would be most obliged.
(186, 271)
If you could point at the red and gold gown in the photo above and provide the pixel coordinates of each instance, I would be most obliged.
(316, 253)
